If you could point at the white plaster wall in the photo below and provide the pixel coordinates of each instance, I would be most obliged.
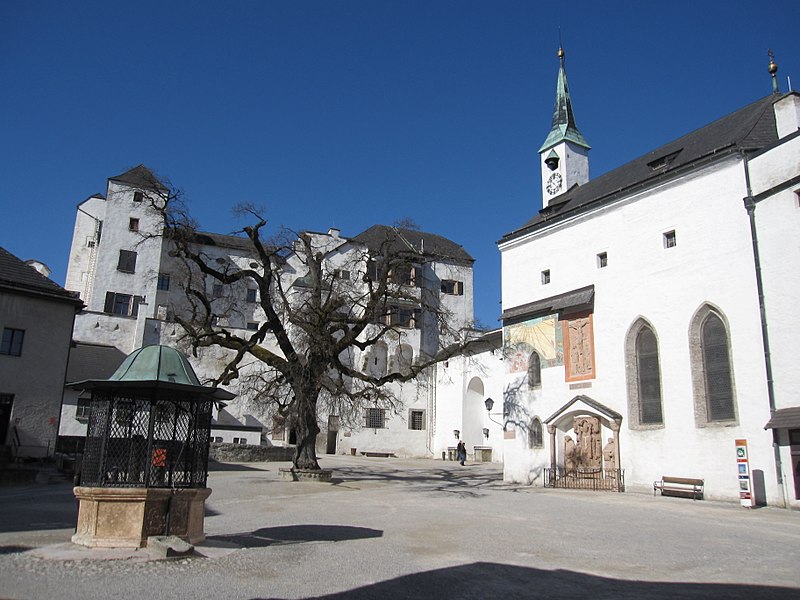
(81, 254)
(712, 263)
(36, 378)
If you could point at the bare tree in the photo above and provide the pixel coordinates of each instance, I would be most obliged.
(326, 304)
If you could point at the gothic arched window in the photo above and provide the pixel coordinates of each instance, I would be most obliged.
(648, 377)
(535, 437)
(717, 370)
(643, 370)
(534, 370)
(712, 373)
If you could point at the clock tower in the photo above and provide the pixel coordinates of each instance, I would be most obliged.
(564, 156)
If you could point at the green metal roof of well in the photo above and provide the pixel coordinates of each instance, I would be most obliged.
(156, 363)
(155, 367)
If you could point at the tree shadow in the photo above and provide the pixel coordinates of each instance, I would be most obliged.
(222, 466)
(296, 534)
(491, 580)
(469, 481)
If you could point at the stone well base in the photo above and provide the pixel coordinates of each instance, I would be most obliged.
(126, 517)
(323, 475)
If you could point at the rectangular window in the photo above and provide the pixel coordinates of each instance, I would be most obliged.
(252, 295)
(452, 288)
(217, 439)
(83, 409)
(341, 274)
(122, 304)
(405, 275)
(670, 241)
(252, 326)
(375, 418)
(133, 224)
(127, 261)
(163, 282)
(405, 317)
(138, 196)
(602, 260)
(239, 440)
(12, 341)
(545, 276)
(416, 419)
(90, 242)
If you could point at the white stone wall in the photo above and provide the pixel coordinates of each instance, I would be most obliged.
(36, 378)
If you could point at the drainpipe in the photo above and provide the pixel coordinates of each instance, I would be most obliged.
(750, 206)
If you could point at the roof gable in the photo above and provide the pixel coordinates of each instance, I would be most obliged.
(418, 242)
(18, 276)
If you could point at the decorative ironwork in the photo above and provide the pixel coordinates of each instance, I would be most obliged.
(136, 440)
(591, 478)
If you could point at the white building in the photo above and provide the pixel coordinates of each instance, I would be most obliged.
(36, 317)
(129, 280)
(654, 304)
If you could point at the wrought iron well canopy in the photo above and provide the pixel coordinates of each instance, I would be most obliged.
(149, 423)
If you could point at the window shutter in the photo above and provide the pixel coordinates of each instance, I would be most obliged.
(460, 288)
(385, 415)
(137, 300)
(417, 318)
(109, 305)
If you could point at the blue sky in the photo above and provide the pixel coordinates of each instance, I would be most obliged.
(351, 113)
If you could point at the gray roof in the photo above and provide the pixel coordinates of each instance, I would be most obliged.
(583, 297)
(784, 418)
(748, 129)
(18, 277)
(418, 242)
(236, 242)
(139, 176)
(93, 361)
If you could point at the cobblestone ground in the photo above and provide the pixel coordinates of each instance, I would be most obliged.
(389, 528)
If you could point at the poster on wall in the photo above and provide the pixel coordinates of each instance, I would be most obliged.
(746, 497)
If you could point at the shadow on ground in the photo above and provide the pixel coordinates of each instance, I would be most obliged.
(490, 580)
(466, 481)
(221, 466)
(297, 534)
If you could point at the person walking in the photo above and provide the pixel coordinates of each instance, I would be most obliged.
(461, 452)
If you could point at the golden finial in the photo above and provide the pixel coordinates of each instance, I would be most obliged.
(560, 52)
(773, 69)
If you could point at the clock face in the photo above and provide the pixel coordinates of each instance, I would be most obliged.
(553, 183)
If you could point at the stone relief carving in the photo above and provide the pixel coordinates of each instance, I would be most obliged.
(570, 454)
(609, 454)
(580, 346)
(589, 443)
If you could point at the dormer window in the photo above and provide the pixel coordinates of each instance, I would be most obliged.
(663, 162)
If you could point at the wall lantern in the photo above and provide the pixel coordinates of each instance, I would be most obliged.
(456, 433)
(486, 432)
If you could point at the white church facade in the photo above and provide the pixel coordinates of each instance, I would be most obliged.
(647, 313)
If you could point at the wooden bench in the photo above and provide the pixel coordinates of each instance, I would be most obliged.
(683, 487)
(369, 453)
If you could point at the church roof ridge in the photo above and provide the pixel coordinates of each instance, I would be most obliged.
(749, 128)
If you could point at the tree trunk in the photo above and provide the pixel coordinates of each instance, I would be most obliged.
(306, 428)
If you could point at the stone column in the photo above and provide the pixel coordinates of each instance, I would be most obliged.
(551, 429)
(615, 428)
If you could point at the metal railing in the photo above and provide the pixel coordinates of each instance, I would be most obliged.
(586, 478)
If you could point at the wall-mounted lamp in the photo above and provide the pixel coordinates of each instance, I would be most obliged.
(486, 432)
(489, 404)
(456, 433)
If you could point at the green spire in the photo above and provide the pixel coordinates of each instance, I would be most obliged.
(564, 127)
